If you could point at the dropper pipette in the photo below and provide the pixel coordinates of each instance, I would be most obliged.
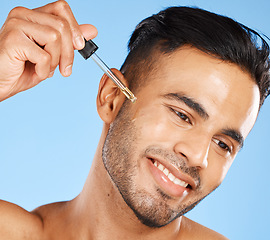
(89, 51)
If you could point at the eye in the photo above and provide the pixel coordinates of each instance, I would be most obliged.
(181, 115)
(222, 145)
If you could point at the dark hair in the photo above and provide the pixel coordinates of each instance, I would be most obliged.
(214, 34)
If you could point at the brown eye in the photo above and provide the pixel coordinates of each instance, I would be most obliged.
(181, 115)
(222, 145)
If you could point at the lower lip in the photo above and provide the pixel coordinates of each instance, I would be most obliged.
(165, 183)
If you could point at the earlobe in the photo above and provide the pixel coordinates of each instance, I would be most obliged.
(109, 98)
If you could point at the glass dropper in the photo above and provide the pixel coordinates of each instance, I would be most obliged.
(89, 51)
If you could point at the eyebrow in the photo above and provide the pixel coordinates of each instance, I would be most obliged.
(197, 107)
(190, 102)
(236, 135)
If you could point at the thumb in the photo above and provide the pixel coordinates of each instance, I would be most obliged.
(89, 31)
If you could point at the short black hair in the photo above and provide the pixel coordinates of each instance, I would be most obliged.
(214, 34)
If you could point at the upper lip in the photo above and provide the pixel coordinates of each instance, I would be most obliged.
(175, 171)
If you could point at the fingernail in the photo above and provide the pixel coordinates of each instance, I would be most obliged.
(51, 74)
(79, 42)
(68, 70)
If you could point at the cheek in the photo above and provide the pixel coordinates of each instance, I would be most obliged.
(216, 170)
(154, 128)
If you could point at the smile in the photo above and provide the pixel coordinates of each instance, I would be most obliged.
(172, 178)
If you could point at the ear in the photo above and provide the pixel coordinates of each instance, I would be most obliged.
(110, 98)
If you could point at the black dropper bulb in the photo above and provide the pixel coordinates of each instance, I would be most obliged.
(89, 48)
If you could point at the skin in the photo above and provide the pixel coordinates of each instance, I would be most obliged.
(166, 129)
(196, 147)
(25, 64)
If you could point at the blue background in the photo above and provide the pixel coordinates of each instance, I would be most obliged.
(48, 135)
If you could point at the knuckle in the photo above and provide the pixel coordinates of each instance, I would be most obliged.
(55, 36)
(12, 22)
(62, 25)
(45, 58)
(62, 5)
(16, 11)
(11, 29)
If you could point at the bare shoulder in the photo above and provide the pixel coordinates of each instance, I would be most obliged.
(194, 230)
(17, 223)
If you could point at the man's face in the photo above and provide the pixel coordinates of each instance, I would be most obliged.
(175, 145)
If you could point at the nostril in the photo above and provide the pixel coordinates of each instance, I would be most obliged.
(183, 155)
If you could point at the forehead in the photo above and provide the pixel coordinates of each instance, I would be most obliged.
(224, 89)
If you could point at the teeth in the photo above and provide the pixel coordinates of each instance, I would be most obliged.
(180, 183)
(161, 167)
(171, 177)
(174, 179)
(166, 172)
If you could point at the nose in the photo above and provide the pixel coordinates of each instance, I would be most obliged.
(195, 149)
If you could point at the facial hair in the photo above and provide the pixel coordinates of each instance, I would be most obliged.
(118, 155)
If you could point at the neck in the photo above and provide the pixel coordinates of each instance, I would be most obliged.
(101, 203)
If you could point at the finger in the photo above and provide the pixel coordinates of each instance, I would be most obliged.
(58, 23)
(62, 9)
(26, 39)
(46, 37)
(40, 58)
(36, 56)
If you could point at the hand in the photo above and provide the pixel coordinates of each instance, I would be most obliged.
(34, 42)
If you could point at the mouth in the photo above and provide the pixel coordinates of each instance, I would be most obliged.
(171, 178)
